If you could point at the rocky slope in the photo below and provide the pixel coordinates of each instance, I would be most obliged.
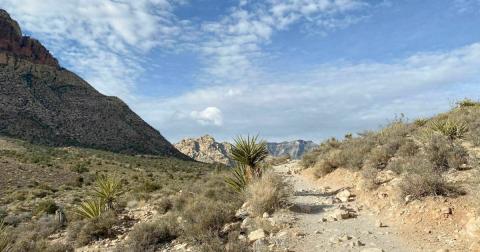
(295, 149)
(43, 103)
(205, 149)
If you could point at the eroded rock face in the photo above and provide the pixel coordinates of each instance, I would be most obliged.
(205, 149)
(45, 104)
(295, 149)
(12, 42)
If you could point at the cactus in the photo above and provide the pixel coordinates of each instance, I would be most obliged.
(60, 217)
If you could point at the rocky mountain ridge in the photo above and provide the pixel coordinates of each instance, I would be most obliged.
(206, 149)
(45, 104)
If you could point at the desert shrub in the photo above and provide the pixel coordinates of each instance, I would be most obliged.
(46, 207)
(238, 180)
(467, 103)
(309, 159)
(423, 179)
(267, 194)
(150, 236)
(328, 164)
(90, 209)
(85, 231)
(4, 237)
(107, 189)
(204, 216)
(369, 175)
(449, 128)
(164, 205)
(250, 152)
(444, 154)
(378, 157)
(420, 122)
(355, 151)
(31, 236)
(408, 149)
(80, 168)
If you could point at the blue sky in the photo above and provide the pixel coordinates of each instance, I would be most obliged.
(285, 69)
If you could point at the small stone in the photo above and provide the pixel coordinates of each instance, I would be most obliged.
(323, 220)
(446, 210)
(334, 240)
(345, 238)
(340, 214)
(318, 232)
(379, 224)
(256, 235)
(344, 195)
(266, 215)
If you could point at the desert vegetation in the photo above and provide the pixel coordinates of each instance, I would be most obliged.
(421, 152)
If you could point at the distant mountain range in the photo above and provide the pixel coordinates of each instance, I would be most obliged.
(206, 149)
(43, 103)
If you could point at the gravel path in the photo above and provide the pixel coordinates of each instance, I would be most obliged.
(354, 229)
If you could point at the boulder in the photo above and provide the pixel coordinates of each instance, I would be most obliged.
(340, 214)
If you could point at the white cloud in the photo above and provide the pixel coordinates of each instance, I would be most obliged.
(327, 100)
(208, 116)
(102, 40)
(234, 44)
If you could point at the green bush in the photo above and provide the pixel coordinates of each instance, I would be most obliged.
(85, 231)
(46, 207)
(444, 154)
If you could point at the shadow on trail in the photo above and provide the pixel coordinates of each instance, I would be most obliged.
(307, 208)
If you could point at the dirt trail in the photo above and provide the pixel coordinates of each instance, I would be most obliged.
(319, 231)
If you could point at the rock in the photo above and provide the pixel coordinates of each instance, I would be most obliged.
(384, 176)
(256, 235)
(318, 232)
(242, 213)
(260, 245)
(227, 228)
(247, 224)
(408, 198)
(206, 149)
(294, 149)
(473, 227)
(344, 238)
(372, 250)
(344, 195)
(340, 214)
(446, 210)
(266, 215)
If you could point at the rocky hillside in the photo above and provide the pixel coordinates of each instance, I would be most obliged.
(43, 103)
(295, 149)
(205, 149)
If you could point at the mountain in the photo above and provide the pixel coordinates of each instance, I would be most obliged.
(43, 103)
(295, 149)
(205, 149)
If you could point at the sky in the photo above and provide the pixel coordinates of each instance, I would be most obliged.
(283, 69)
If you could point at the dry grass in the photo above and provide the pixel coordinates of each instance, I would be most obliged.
(151, 236)
(267, 194)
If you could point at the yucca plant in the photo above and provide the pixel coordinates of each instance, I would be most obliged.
(238, 181)
(91, 209)
(451, 129)
(107, 189)
(249, 152)
(4, 238)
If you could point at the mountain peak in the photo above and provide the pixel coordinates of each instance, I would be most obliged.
(12, 42)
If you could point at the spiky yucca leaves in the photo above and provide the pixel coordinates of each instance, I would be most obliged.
(4, 238)
(250, 152)
(451, 129)
(90, 209)
(238, 181)
(107, 189)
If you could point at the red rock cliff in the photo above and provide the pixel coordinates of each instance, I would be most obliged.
(12, 42)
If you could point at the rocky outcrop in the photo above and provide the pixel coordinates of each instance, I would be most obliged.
(295, 149)
(13, 43)
(205, 149)
(46, 104)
